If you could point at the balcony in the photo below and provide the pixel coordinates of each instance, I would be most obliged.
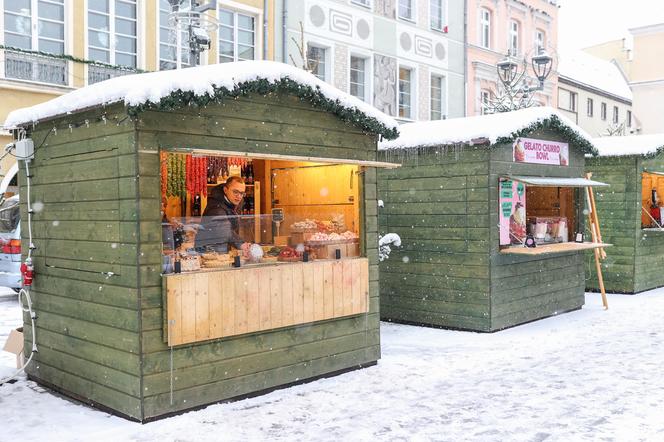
(34, 67)
(97, 73)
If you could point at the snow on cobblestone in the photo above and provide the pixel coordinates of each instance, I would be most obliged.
(586, 375)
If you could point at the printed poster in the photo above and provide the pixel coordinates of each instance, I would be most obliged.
(529, 150)
(512, 217)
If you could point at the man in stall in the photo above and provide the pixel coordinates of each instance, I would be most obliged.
(220, 225)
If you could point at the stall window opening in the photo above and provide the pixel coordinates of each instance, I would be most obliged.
(220, 211)
(548, 214)
(652, 208)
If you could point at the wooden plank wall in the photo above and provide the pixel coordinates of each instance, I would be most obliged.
(619, 212)
(226, 368)
(209, 305)
(437, 203)
(85, 290)
(525, 288)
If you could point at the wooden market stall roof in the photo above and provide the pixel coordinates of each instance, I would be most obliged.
(203, 85)
(641, 145)
(488, 129)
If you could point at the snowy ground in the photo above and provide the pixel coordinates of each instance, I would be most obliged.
(586, 375)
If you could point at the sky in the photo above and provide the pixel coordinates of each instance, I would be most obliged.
(584, 23)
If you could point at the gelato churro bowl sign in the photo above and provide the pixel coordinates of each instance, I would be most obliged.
(529, 150)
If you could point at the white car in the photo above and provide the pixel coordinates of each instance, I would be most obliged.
(10, 243)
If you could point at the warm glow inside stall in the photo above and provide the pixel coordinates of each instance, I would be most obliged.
(488, 209)
(631, 210)
(204, 234)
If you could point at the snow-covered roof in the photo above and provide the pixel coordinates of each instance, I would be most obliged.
(630, 145)
(594, 72)
(493, 127)
(150, 88)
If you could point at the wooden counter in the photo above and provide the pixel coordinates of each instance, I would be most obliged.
(234, 301)
(553, 248)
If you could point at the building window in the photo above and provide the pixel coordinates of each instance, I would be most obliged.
(485, 28)
(168, 38)
(112, 31)
(514, 37)
(46, 17)
(237, 36)
(572, 101)
(365, 3)
(406, 9)
(316, 61)
(437, 14)
(540, 39)
(603, 111)
(437, 102)
(405, 92)
(485, 99)
(358, 77)
(615, 115)
(590, 107)
(629, 118)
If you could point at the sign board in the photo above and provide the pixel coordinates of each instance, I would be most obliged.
(277, 214)
(529, 150)
(512, 211)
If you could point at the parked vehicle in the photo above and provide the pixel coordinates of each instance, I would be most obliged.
(10, 243)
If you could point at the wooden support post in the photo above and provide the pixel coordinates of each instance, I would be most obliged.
(597, 237)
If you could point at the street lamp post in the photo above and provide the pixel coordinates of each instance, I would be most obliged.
(516, 92)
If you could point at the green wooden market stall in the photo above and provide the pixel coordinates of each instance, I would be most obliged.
(468, 193)
(122, 174)
(631, 220)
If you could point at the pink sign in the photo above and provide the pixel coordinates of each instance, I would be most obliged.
(529, 150)
(512, 211)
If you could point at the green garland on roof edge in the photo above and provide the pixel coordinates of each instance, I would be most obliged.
(72, 58)
(553, 123)
(180, 99)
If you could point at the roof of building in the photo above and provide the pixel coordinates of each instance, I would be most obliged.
(592, 72)
(645, 145)
(206, 84)
(493, 128)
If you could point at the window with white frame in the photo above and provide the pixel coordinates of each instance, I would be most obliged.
(405, 92)
(45, 17)
(603, 111)
(237, 36)
(540, 39)
(616, 116)
(590, 105)
(168, 38)
(365, 3)
(485, 28)
(406, 9)
(629, 118)
(316, 62)
(358, 77)
(437, 14)
(485, 100)
(112, 31)
(514, 37)
(437, 97)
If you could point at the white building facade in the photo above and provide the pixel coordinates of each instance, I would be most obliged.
(595, 95)
(406, 57)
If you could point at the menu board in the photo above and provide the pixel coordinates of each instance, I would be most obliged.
(512, 208)
(529, 150)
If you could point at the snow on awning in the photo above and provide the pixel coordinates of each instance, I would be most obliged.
(556, 181)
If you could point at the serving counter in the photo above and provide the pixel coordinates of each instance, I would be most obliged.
(217, 303)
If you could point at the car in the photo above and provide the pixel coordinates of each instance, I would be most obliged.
(10, 243)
